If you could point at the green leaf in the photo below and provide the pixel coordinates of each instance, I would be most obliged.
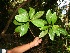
(38, 14)
(48, 16)
(24, 29)
(53, 18)
(22, 18)
(51, 34)
(44, 28)
(55, 29)
(62, 31)
(22, 11)
(57, 32)
(18, 29)
(43, 33)
(31, 12)
(69, 35)
(23, 15)
(17, 23)
(39, 22)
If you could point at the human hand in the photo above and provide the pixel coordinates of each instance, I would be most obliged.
(35, 42)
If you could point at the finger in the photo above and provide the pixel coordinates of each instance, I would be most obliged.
(36, 44)
(40, 40)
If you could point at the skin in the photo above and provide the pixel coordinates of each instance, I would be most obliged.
(23, 48)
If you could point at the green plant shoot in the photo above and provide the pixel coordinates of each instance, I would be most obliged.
(46, 26)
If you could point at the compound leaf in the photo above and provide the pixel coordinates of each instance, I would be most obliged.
(55, 29)
(43, 33)
(22, 11)
(39, 22)
(38, 14)
(51, 34)
(44, 28)
(48, 16)
(24, 29)
(17, 23)
(62, 31)
(22, 18)
(53, 18)
(31, 12)
(18, 29)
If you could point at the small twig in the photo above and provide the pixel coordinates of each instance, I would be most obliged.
(66, 42)
(10, 20)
